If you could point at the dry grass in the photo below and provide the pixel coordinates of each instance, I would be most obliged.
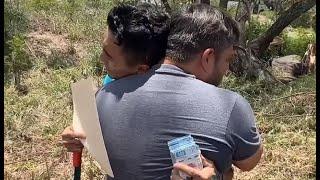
(286, 118)
(33, 122)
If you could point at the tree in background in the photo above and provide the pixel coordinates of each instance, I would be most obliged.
(249, 63)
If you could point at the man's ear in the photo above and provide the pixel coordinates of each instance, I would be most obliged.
(142, 68)
(207, 60)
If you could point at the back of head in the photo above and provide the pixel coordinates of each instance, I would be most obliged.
(142, 31)
(198, 27)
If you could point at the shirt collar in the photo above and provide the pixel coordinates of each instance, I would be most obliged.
(170, 69)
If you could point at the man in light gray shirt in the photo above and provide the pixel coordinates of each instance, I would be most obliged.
(139, 114)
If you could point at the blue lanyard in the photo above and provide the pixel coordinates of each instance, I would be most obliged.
(106, 80)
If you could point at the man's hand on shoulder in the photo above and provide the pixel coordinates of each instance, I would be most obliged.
(70, 139)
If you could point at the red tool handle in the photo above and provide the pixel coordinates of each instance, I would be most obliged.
(76, 159)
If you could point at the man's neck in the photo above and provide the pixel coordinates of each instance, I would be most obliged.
(185, 67)
(169, 61)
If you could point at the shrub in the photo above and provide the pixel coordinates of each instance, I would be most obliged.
(18, 60)
(99, 4)
(177, 5)
(92, 66)
(269, 14)
(296, 41)
(40, 5)
(214, 2)
(15, 22)
(256, 28)
(232, 11)
(305, 20)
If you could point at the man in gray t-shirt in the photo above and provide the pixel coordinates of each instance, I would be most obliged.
(139, 114)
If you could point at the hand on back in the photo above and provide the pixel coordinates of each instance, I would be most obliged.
(204, 174)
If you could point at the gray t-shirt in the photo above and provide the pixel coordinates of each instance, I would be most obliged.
(139, 114)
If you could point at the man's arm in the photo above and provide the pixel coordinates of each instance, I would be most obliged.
(251, 162)
(244, 136)
(205, 174)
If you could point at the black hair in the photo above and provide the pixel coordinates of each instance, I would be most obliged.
(142, 31)
(198, 27)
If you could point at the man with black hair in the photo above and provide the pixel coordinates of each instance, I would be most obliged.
(136, 39)
(139, 114)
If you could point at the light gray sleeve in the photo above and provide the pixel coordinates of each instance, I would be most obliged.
(242, 131)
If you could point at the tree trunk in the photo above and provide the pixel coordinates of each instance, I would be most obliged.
(260, 44)
(246, 64)
(166, 6)
(242, 16)
(223, 4)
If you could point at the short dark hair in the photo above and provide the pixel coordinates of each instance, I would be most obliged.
(198, 27)
(142, 30)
